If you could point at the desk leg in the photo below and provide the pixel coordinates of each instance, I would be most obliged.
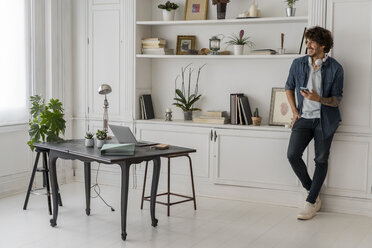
(154, 190)
(53, 180)
(124, 197)
(87, 176)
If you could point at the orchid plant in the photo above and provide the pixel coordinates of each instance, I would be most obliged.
(239, 40)
(291, 3)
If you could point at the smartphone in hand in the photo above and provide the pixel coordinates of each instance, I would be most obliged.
(304, 88)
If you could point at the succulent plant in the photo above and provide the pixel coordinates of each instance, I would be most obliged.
(168, 6)
(256, 114)
(89, 135)
(101, 134)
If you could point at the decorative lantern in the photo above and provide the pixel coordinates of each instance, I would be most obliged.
(214, 45)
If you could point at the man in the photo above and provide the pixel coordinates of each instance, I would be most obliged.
(317, 115)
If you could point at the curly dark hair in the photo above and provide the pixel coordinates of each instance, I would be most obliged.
(321, 36)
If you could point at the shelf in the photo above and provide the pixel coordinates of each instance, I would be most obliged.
(223, 126)
(285, 56)
(294, 19)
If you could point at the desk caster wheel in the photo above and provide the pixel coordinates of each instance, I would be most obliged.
(155, 223)
(53, 223)
(124, 236)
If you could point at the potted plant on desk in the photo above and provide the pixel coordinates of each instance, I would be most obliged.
(238, 42)
(47, 121)
(101, 138)
(89, 141)
(169, 10)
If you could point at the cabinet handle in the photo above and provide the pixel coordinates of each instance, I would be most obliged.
(215, 136)
(211, 135)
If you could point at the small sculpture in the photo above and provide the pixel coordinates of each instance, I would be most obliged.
(168, 114)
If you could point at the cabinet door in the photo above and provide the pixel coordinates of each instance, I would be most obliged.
(253, 158)
(192, 137)
(105, 58)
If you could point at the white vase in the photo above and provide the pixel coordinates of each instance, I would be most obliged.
(168, 15)
(100, 143)
(89, 142)
(238, 49)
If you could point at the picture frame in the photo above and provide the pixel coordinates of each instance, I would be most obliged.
(303, 48)
(196, 9)
(280, 109)
(185, 43)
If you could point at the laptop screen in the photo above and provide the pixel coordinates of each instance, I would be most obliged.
(123, 134)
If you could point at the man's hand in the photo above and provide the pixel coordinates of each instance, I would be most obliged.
(296, 116)
(313, 95)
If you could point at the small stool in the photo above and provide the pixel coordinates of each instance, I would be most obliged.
(169, 193)
(45, 171)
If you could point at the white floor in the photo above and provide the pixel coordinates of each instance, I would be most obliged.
(216, 223)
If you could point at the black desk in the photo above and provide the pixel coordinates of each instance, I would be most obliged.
(75, 149)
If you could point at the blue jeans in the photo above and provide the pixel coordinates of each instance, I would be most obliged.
(303, 131)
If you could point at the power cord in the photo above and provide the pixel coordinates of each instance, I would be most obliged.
(97, 189)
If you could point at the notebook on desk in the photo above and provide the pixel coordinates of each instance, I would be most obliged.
(124, 135)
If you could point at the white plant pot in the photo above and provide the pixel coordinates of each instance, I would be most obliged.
(100, 143)
(168, 15)
(238, 49)
(89, 142)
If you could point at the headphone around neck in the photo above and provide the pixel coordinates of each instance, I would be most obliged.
(319, 62)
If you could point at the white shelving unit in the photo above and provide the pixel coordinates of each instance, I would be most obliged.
(265, 20)
(219, 57)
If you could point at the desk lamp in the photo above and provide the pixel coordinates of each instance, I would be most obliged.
(105, 89)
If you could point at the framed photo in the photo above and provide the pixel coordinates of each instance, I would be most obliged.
(303, 49)
(196, 9)
(185, 43)
(280, 110)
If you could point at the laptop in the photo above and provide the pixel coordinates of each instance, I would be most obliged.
(124, 135)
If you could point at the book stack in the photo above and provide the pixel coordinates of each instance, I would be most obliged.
(155, 46)
(146, 108)
(240, 109)
(212, 117)
(263, 52)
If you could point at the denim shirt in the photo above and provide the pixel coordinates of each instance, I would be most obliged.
(332, 85)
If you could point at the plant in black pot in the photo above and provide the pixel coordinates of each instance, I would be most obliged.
(186, 98)
(221, 8)
(46, 123)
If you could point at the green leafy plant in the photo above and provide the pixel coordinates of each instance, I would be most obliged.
(89, 135)
(214, 2)
(46, 123)
(101, 134)
(239, 40)
(168, 6)
(183, 97)
(256, 114)
(291, 3)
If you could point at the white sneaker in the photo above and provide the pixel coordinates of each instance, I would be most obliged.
(318, 204)
(308, 212)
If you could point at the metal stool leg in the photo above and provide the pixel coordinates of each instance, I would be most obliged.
(192, 182)
(46, 181)
(168, 193)
(144, 184)
(31, 180)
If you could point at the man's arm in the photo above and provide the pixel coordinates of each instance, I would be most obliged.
(291, 99)
(329, 101)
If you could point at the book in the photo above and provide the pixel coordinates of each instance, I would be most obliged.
(148, 107)
(216, 113)
(142, 108)
(118, 149)
(154, 40)
(210, 120)
(234, 107)
(303, 48)
(263, 52)
(157, 51)
(152, 46)
(246, 110)
(212, 117)
(241, 121)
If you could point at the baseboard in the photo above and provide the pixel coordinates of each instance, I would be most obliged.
(181, 184)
